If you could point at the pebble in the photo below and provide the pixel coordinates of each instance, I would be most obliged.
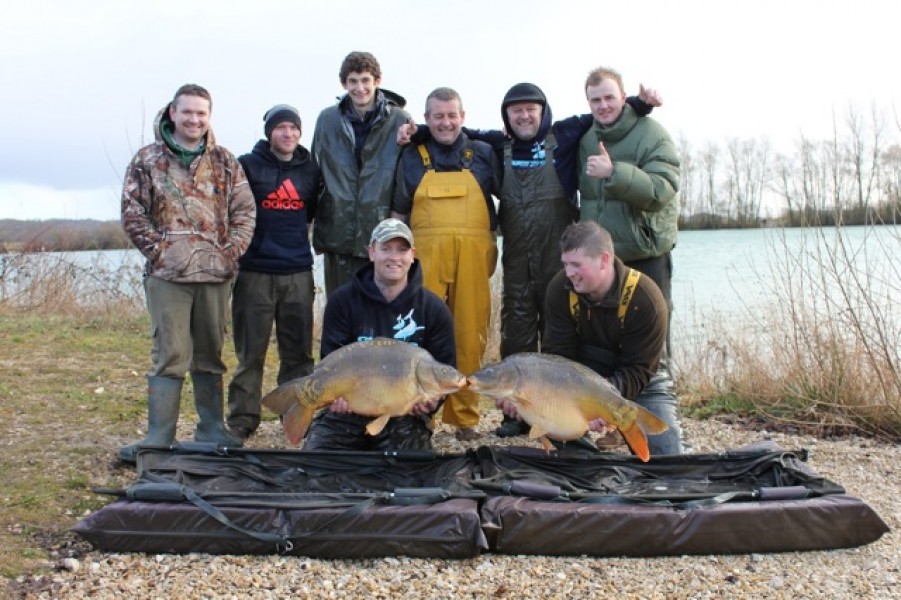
(856, 573)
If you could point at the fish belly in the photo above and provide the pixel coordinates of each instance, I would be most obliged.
(375, 398)
(559, 419)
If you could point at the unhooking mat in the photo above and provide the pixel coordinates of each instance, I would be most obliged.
(510, 500)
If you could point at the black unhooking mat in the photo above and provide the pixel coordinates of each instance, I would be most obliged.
(511, 500)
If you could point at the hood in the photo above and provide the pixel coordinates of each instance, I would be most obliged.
(262, 150)
(363, 280)
(384, 100)
(162, 120)
(394, 98)
(527, 92)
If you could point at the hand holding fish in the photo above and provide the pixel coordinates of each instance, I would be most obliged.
(507, 406)
(561, 399)
(600, 425)
(380, 378)
(340, 406)
(426, 407)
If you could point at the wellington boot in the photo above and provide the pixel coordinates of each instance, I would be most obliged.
(208, 400)
(582, 444)
(511, 427)
(163, 399)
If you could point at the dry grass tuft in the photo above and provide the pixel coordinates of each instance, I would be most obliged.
(73, 284)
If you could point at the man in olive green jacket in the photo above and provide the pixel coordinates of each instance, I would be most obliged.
(630, 179)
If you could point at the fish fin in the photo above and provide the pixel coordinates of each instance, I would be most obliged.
(637, 441)
(281, 399)
(376, 425)
(536, 432)
(546, 444)
(649, 422)
(295, 422)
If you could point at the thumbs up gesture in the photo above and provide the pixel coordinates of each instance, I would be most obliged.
(599, 165)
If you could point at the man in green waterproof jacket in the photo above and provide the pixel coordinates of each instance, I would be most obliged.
(355, 145)
(630, 179)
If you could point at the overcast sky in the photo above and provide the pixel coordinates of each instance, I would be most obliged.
(82, 81)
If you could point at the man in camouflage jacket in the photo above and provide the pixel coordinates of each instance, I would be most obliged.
(187, 207)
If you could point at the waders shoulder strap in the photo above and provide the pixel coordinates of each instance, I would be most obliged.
(624, 299)
(426, 159)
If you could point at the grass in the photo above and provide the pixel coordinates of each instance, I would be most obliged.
(55, 416)
(72, 393)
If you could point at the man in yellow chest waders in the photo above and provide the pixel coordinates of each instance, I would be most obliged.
(444, 188)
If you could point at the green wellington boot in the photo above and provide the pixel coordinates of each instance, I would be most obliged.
(163, 399)
(208, 400)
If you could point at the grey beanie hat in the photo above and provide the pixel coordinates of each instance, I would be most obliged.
(279, 114)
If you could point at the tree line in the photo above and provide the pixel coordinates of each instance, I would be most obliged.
(60, 235)
(852, 177)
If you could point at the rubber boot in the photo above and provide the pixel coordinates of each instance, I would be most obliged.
(208, 401)
(582, 444)
(163, 399)
(511, 427)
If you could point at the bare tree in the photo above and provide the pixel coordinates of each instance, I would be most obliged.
(689, 201)
(747, 175)
(709, 166)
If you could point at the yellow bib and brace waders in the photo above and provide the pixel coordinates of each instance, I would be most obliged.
(458, 253)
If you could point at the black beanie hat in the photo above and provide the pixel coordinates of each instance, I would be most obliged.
(523, 92)
(279, 114)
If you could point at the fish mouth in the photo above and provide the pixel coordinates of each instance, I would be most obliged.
(474, 384)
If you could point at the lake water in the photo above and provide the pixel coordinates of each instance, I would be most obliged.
(726, 274)
(729, 271)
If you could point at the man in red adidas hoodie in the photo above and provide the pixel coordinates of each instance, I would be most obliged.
(275, 281)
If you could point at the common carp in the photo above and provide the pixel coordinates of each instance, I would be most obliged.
(382, 378)
(558, 397)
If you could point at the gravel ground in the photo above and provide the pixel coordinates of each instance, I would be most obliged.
(867, 469)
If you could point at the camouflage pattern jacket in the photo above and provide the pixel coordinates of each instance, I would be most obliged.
(192, 224)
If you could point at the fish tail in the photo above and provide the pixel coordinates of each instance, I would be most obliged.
(287, 400)
(296, 421)
(636, 434)
(637, 441)
(649, 422)
(281, 399)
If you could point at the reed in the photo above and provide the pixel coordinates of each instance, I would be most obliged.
(63, 284)
(824, 355)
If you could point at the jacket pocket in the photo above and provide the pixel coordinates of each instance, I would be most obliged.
(193, 257)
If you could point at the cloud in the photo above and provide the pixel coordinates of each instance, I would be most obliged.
(38, 202)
